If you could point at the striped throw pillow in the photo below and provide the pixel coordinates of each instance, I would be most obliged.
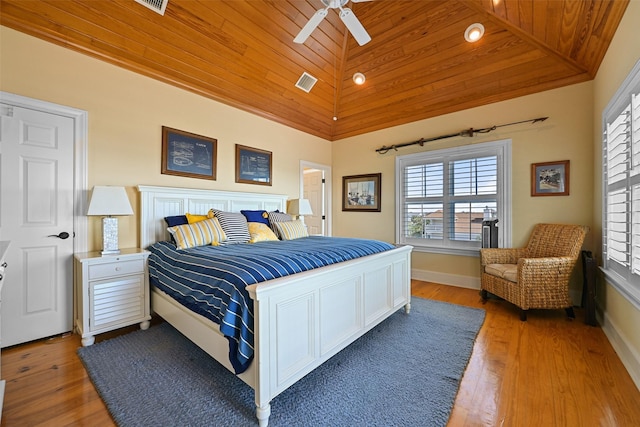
(278, 217)
(234, 225)
(290, 230)
(207, 232)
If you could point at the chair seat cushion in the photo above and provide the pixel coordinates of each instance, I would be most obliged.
(506, 271)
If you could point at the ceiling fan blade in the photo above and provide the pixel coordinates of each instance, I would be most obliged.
(306, 31)
(360, 1)
(355, 27)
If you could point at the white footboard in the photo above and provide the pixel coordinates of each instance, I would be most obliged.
(304, 319)
(300, 321)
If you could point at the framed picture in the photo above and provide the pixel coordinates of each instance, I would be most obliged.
(361, 193)
(550, 178)
(253, 166)
(188, 154)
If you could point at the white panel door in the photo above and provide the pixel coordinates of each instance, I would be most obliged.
(314, 192)
(36, 214)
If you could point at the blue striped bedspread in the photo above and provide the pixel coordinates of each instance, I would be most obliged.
(212, 280)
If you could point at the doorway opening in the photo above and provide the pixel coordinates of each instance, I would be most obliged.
(315, 186)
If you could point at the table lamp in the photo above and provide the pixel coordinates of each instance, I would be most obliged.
(299, 207)
(109, 201)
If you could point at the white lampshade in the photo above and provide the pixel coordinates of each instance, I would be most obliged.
(108, 200)
(299, 207)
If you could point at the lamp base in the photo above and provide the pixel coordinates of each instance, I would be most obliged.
(115, 252)
(110, 236)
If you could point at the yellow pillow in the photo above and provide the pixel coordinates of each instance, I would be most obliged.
(260, 232)
(191, 219)
(289, 230)
(200, 233)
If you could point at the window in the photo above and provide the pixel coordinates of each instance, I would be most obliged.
(621, 188)
(444, 195)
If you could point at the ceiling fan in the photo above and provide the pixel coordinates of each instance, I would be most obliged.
(348, 17)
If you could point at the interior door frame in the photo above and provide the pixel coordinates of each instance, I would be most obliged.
(327, 189)
(80, 172)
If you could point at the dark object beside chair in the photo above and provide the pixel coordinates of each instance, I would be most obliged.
(536, 276)
(589, 266)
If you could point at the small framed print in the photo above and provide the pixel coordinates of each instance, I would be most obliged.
(550, 178)
(253, 166)
(361, 193)
(188, 154)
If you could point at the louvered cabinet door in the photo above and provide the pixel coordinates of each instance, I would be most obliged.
(111, 292)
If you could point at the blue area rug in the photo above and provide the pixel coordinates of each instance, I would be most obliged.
(404, 372)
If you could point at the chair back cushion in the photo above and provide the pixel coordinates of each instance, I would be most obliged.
(554, 240)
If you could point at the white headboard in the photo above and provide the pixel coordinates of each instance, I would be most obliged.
(158, 202)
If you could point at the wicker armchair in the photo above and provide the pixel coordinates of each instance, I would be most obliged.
(536, 276)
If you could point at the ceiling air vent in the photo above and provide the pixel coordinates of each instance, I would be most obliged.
(155, 5)
(306, 82)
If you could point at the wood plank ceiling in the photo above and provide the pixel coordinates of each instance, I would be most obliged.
(417, 65)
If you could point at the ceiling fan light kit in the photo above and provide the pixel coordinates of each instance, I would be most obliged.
(358, 78)
(474, 32)
(346, 15)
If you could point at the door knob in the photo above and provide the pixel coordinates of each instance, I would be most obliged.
(63, 235)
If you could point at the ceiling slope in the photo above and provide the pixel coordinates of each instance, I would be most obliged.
(417, 65)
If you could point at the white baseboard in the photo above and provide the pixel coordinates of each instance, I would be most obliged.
(627, 354)
(446, 279)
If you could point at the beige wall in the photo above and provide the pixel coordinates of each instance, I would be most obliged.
(126, 112)
(566, 134)
(621, 317)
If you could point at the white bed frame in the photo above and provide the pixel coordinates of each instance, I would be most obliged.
(300, 320)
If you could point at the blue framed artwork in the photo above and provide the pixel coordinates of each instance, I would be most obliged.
(253, 166)
(187, 154)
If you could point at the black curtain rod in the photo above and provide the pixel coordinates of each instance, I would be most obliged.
(467, 132)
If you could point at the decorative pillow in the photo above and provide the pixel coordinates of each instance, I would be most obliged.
(234, 225)
(260, 232)
(172, 221)
(196, 218)
(256, 216)
(278, 217)
(200, 233)
(289, 230)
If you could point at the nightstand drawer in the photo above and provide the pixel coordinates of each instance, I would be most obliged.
(117, 268)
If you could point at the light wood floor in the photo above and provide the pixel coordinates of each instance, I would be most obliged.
(548, 371)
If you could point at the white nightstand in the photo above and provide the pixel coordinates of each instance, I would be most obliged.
(111, 292)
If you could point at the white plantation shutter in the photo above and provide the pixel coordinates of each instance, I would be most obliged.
(635, 182)
(444, 195)
(473, 188)
(621, 187)
(423, 189)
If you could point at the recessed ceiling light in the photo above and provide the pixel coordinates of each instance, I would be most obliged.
(474, 32)
(358, 78)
